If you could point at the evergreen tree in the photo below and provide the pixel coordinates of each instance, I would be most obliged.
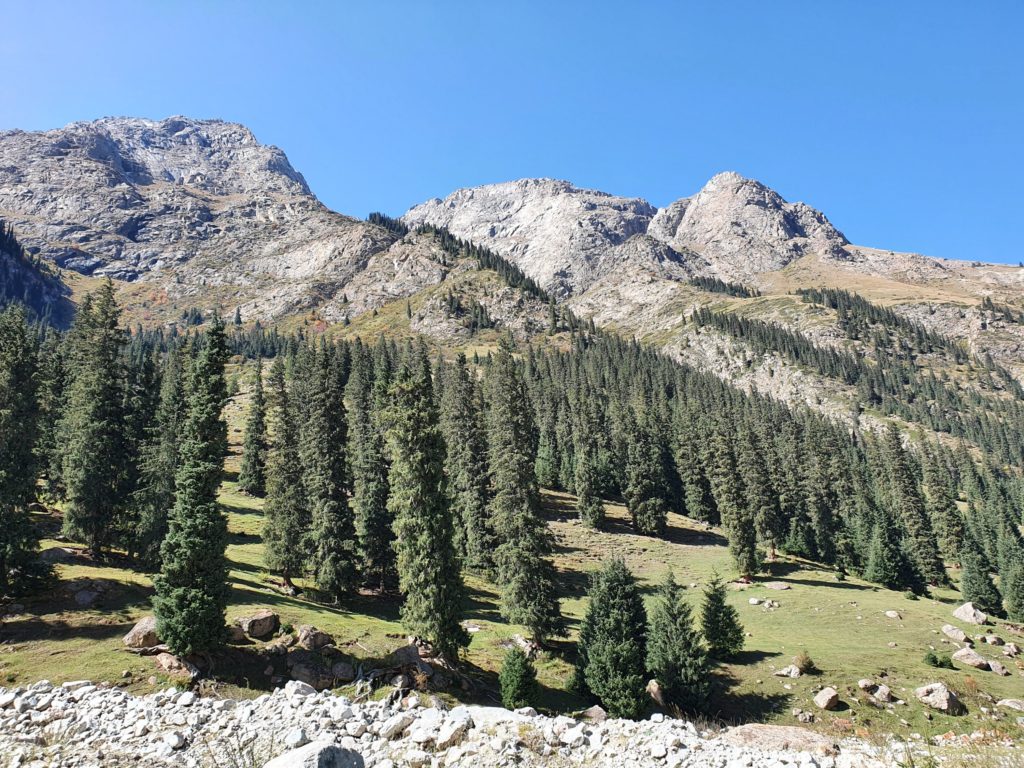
(369, 473)
(613, 642)
(976, 585)
(19, 418)
(518, 680)
(431, 585)
(886, 563)
(466, 464)
(191, 588)
(589, 506)
(761, 498)
(731, 501)
(940, 503)
(252, 478)
(52, 376)
(1012, 583)
(675, 654)
(154, 496)
(909, 506)
(698, 501)
(646, 487)
(525, 575)
(286, 516)
(322, 451)
(720, 622)
(95, 459)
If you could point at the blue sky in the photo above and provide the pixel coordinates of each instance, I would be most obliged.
(903, 122)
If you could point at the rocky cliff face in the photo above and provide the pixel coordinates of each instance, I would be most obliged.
(568, 238)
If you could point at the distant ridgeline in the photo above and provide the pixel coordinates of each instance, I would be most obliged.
(31, 282)
(895, 379)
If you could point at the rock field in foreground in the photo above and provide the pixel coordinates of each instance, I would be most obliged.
(81, 724)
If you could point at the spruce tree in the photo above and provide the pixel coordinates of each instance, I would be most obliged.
(154, 497)
(646, 487)
(369, 475)
(95, 459)
(1012, 583)
(252, 478)
(761, 497)
(720, 622)
(525, 574)
(730, 498)
(940, 503)
(910, 508)
(886, 563)
(286, 516)
(19, 419)
(976, 585)
(675, 653)
(428, 574)
(191, 588)
(52, 376)
(466, 464)
(589, 506)
(324, 466)
(518, 680)
(613, 642)
(698, 501)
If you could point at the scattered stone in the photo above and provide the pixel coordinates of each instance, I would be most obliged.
(655, 692)
(866, 684)
(296, 738)
(969, 614)
(971, 658)
(1011, 650)
(175, 667)
(319, 754)
(998, 668)
(343, 671)
(954, 633)
(938, 696)
(893, 615)
(774, 738)
(883, 693)
(791, 671)
(994, 640)
(259, 625)
(755, 601)
(174, 739)
(313, 639)
(1017, 704)
(396, 724)
(827, 698)
(143, 634)
(594, 714)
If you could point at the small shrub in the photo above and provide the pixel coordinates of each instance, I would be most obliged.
(933, 659)
(287, 629)
(910, 595)
(840, 576)
(518, 680)
(804, 663)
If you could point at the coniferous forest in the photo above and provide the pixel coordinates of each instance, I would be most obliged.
(388, 467)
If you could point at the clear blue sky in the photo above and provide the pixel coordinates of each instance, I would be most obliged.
(902, 121)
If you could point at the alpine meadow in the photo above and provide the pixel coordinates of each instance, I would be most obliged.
(530, 474)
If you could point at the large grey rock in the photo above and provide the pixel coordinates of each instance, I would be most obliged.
(313, 639)
(143, 634)
(969, 614)
(259, 625)
(971, 658)
(938, 696)
(318, 754)
(1017, 704)
(827, 698)
(954, 633)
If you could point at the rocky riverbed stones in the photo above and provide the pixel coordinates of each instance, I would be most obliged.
(296, 727)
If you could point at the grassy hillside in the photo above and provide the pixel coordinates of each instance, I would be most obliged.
(841, 624)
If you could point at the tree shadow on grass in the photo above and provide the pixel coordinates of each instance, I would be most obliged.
(235, 509)
(753, 657)
(730, 707)
(675, 534)
(480, 606)
(37, 629)
(821, 583)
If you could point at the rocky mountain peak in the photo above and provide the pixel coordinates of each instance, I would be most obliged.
(745, 228)
(556, 232)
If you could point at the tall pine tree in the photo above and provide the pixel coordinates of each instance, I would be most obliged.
(720, 622)
(613, 642)
(252, 478)
(428, 576)
(95, 458)
(675, 653)
(19, 418)
(191, 588)
(525, 574)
